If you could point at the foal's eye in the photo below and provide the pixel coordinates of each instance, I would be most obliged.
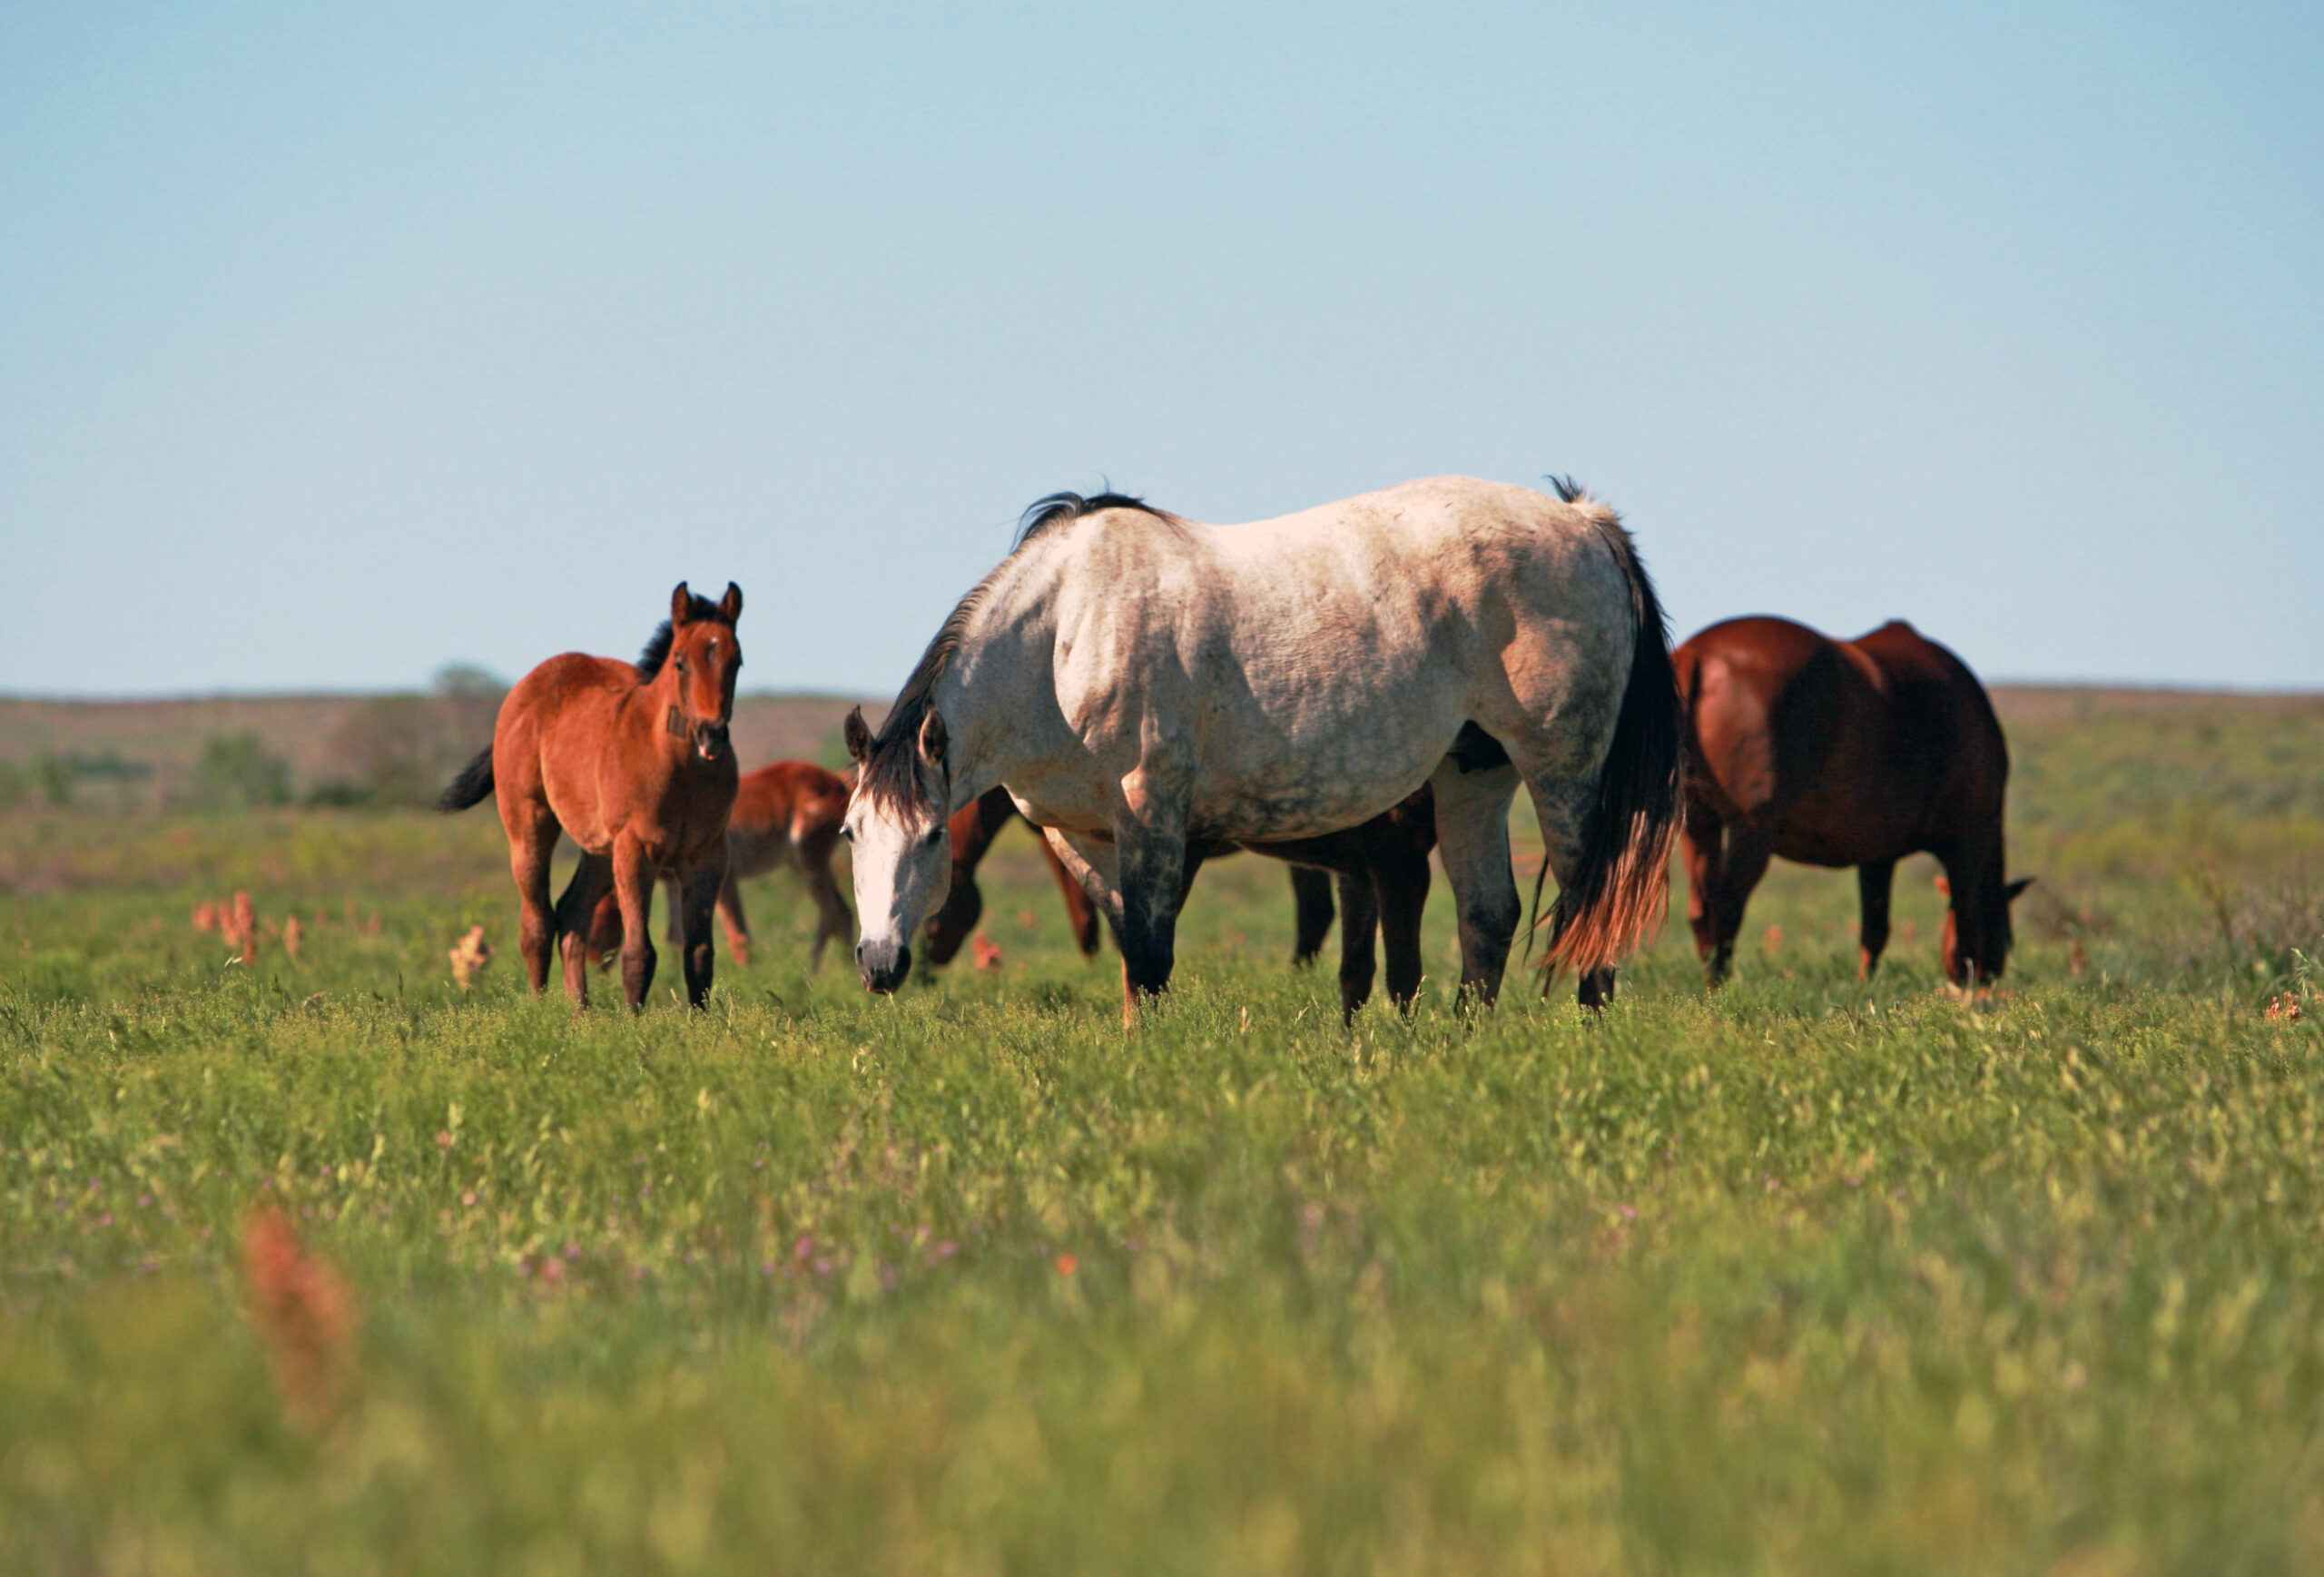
(934, 833)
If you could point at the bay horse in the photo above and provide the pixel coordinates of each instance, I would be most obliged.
(1843, 752)
(1148, 686)
(632, 761)
(786, 816)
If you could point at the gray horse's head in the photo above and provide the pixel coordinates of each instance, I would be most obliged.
(899, 829)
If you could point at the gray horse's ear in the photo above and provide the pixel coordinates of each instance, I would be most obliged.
(859, 737)
(680, 604)
(934, 741)
(731, 604)
(2009, 893)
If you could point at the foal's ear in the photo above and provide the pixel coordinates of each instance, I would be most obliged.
(681, 606)
(2009, 893)
(731, 604)
(934, 740)
(858, 734)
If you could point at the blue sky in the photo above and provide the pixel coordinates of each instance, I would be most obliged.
(335, 346)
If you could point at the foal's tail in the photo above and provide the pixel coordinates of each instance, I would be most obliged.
(1622, 884)
(469, 788)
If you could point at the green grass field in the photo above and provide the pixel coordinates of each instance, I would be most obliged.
(1808, 1277)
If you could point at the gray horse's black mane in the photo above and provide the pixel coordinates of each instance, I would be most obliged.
(657, 650)
(1059, 507)
(888, 772)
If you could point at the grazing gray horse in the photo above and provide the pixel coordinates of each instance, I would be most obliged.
(1150, 687)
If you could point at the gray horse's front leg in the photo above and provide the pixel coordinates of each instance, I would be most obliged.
(1473, 840)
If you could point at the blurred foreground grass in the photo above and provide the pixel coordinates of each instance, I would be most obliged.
(1808, 1277)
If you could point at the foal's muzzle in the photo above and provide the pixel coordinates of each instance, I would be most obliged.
(709, 740)
(882, 964)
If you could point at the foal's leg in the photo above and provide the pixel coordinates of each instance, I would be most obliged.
(736, 923)
(1080, 913)
(633, 884)
(1311, 903)
(1359, 928)
(532, 839)
(1473, 840)
(832, 916)
(1874, 879)
(697, 899)
(577, 917)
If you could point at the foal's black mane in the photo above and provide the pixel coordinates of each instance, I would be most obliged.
(657, 650)
(888, 772)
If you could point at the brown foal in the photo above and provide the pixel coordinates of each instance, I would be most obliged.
(631, 762)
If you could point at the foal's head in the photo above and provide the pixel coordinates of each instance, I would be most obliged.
(898, 820)
(698, 647)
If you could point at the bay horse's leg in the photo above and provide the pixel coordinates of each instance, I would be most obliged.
(1874, 879)
(633, 885)
(738, 925)
(1473, 840)
(1400, 879)
(697, 899)
(1311, 903)
(1745, 861)
(1359, 931)
(1700, 836)
(576, 922)
(532, 839)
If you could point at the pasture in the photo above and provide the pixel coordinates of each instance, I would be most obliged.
(1809, 1275)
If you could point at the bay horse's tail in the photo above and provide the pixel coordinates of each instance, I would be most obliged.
(469, 788)
(1622, 884)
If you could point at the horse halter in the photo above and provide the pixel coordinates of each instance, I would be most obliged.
(675, 723)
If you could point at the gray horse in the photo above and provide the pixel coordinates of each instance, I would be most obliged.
(1148, 686)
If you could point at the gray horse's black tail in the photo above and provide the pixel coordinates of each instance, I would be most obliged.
(474, 783)
(1622, 884)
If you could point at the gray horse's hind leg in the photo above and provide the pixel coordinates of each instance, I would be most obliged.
(1558, 807)
(1473, 840)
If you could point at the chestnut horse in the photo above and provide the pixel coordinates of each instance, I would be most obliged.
(1381, 867)
(1842, 752)
(786, 816)
(632, 761)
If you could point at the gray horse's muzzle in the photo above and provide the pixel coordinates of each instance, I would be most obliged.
(882, 964)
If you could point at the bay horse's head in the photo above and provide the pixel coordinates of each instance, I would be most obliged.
(1977, 933)
(698, 648)
(898, 823)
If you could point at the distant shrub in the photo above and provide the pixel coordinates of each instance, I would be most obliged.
(399, 750)
(13, 785)
(57, 776)
(236, 772)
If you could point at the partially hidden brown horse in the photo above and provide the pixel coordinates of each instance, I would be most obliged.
(1842, 752)
(1380, 868)
(631, 762)
(786, 816)
(974, 827)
